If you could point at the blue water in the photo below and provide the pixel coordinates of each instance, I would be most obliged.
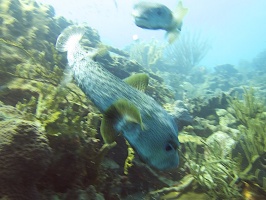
(236, 28)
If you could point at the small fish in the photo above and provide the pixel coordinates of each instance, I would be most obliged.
(156, 16)
(127, 111)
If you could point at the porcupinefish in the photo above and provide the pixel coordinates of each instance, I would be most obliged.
(127, 111)
(149, 15)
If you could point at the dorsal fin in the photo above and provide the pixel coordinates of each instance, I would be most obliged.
(121, 112)
(101, 51)
(139, 81)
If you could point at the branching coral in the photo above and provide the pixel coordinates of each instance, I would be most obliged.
(251, 113)
(187, 51)
(147, 54)
(249, 108)
(216, 174)
(173, 192)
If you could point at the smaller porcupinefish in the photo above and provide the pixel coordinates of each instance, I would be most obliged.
(155, 16)
(127, 111)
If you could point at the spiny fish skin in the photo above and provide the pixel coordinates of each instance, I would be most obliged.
(156, 143)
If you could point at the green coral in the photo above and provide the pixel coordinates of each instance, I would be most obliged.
(216, 174)
(251, 113)
(55, 106)
(248, 108)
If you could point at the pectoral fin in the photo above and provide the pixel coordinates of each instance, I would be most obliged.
(118, 116)
(139, 81)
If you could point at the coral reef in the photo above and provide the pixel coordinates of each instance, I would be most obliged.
(250, 151)
(33, 80)
(259, 61)
(214, 172)
(180, 113)
(248, 109)
(43, 111)
(225, 70)
(147, 54)
(173, 192)
(24, 156)
(186, 52)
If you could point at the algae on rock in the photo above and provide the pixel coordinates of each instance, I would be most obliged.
(25, 154)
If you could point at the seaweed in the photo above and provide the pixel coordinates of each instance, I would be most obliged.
(216, 174)
(251, 150)
(249, 108)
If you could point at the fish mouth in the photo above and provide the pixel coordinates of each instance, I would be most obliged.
(141, 22)
(137, 15)
(138, 18)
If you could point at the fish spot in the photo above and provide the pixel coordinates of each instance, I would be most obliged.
(159, 12)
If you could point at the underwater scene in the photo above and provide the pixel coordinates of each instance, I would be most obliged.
(132, 100)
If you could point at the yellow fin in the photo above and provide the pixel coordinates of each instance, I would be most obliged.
(128, 111)
(139, 81)
(174, 31)
(107, 130)
(180, 12)
(121, 109)
(101, 51)
(172, 35)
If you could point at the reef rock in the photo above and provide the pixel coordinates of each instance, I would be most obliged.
(225, 69)
(204, 107)
(180, 113)
(223, 140)
(204, 127)
(24, 156)
(90, 193)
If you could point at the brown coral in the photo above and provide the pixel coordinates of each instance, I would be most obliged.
(24, 156)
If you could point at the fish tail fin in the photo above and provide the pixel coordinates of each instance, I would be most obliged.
(180, 13)
(69, 38)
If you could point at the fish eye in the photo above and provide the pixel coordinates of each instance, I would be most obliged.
(169, 147)
(159, 12)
